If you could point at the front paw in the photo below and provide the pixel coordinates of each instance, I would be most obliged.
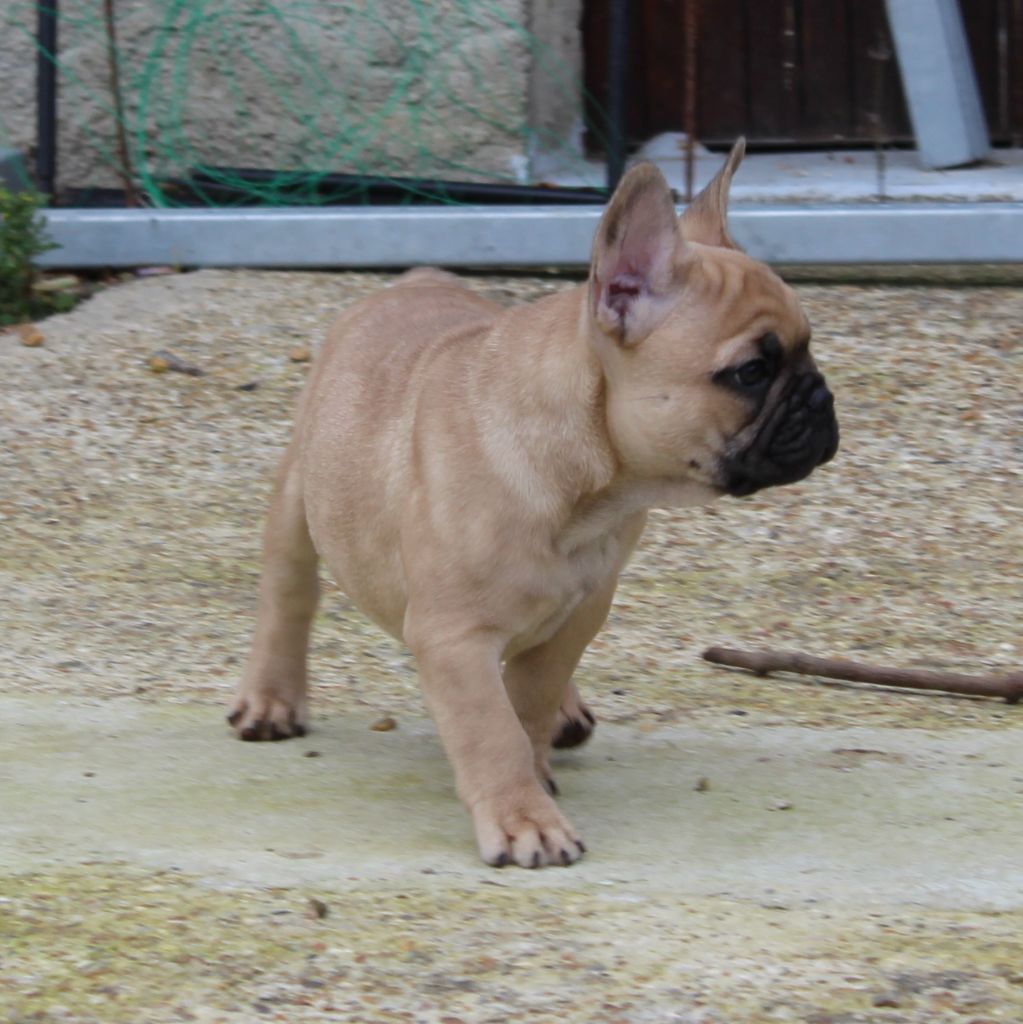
(524, 827)
(261, 715)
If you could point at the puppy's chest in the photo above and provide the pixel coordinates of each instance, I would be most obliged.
(567, 582)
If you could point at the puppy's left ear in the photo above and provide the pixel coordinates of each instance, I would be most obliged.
(705, 219)
(631, 273)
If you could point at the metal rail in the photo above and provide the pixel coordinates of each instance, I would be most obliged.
(917, 232)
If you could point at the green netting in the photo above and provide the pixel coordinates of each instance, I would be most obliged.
(308, 88)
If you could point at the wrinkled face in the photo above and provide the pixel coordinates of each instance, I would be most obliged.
(782, 412)
(723, 390)
(709, 377)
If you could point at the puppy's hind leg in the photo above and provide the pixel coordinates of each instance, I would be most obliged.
(574, 722)
(270, 702)
(539, 683)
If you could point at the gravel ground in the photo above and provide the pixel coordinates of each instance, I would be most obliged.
(130, 514)
(132, 505)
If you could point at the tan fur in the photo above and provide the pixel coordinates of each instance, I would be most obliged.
(476, 478)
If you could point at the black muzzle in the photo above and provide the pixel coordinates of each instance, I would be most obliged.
(798, 435)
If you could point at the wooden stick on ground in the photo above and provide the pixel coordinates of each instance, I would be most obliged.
(1009, 687)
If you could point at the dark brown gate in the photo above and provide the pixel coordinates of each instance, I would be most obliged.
(789, 73)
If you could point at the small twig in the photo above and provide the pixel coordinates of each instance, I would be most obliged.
(1009, 687)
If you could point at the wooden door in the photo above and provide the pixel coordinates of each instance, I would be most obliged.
(788, 73)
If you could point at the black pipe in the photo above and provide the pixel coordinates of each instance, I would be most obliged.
(617, 88)
(225, 182)
(46, 99)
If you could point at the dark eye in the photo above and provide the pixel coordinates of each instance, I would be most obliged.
(750, 374)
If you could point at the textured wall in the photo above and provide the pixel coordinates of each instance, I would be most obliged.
(437, 87)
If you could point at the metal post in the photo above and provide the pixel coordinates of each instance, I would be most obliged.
(46, 98)
(939, 82)
(618, 80)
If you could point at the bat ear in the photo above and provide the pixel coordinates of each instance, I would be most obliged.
(705, 218)
(633, 255)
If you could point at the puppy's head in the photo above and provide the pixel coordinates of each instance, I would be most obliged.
(705, 351)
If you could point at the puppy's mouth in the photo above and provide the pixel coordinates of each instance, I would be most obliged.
(799, 434)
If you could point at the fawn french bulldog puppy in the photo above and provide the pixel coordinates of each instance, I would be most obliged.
(475, 478)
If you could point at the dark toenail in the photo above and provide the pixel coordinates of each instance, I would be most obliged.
(566, 858)
(232, 718)
(536, 859)
(298, 730)
(552, 786)
(581, 845)
(251, 732)
(502, 861)
(588, 715)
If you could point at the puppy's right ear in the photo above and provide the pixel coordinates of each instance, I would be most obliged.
(632, 270)
(706, 217)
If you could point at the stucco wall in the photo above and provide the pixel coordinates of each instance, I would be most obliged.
(453, 88)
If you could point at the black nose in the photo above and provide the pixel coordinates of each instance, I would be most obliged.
(821, 399)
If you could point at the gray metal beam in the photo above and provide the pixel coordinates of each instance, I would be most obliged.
(516, 236)
(939, 83)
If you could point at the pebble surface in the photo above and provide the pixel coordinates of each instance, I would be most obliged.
(130, 513)
(133, 501)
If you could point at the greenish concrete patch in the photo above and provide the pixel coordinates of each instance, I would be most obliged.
(850, 816)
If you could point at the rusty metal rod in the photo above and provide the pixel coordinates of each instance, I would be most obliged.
(618, 90)
(1009, 687)
(120, 133)
(691, 12)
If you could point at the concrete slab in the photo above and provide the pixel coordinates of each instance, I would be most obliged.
(853, 816)
(830, 176)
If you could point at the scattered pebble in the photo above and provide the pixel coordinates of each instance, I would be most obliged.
(29, 335)
(300, 354)
(889, 999)
(702, 784)
(163, 360)
(385, 724)
(317, 909)
(56, 284)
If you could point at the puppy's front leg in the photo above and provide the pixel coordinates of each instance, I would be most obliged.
(515, 820)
